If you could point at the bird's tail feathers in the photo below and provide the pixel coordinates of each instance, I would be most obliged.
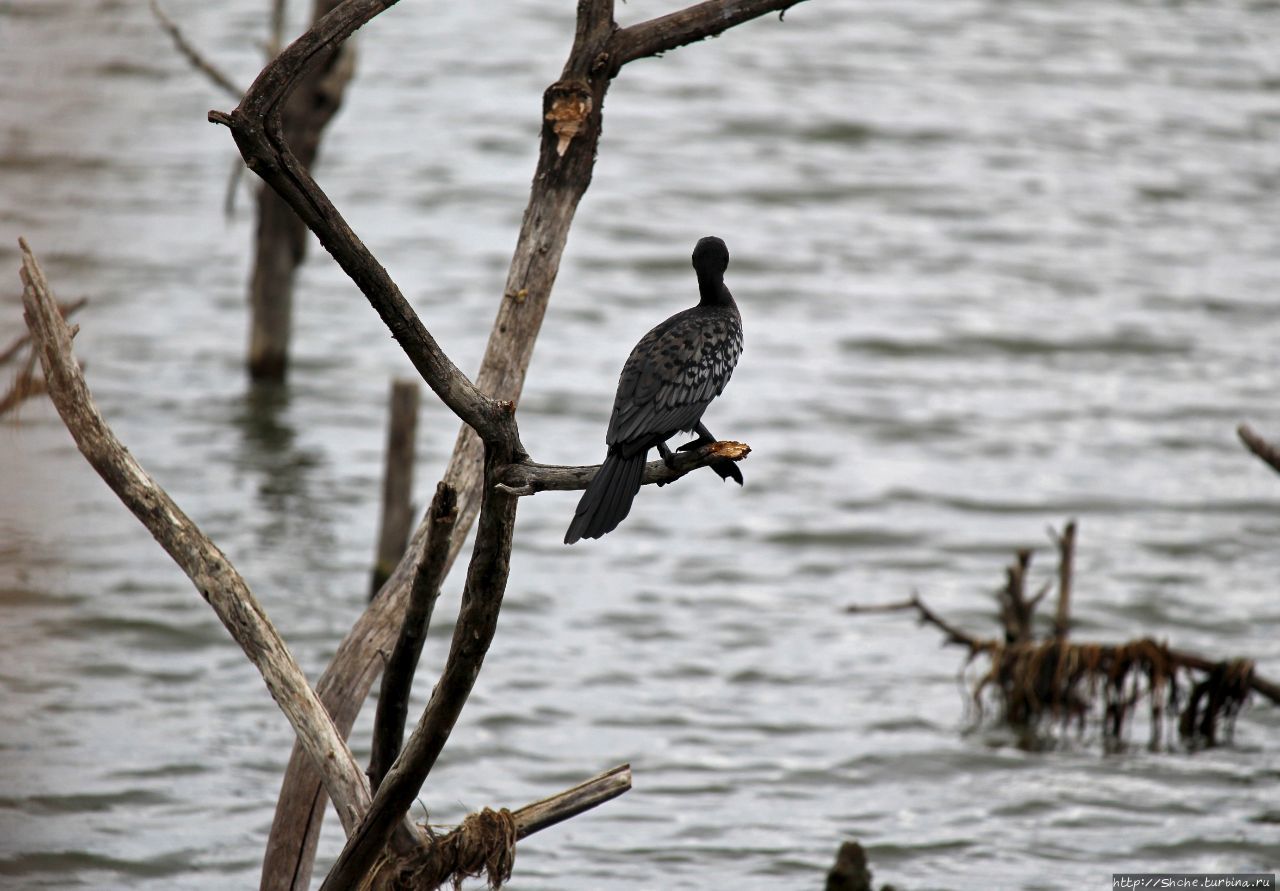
(608, 497)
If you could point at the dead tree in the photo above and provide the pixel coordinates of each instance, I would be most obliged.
(280, 237)
(1042, 681)
(490, 470)
(572, 108)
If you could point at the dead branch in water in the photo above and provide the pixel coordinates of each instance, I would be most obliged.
(1267, 451)
(208, 568)
(1050, 680)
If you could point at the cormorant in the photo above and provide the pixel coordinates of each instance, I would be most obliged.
(666, 384)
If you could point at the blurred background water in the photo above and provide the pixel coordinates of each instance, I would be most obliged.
(999, 265)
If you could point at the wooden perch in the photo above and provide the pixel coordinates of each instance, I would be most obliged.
(528, 477)
(1052, 678)
(213, 575)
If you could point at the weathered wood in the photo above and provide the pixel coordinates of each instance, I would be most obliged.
(560, 807)
(484, 843)
(209, 570)
(280, 240)
(529, 477)
(477, 623)
(397, 481)
(688, 25)
(397, 679)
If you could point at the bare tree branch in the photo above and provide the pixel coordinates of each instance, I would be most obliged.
(193, 55)
(256, 125)
(477, 622)
(1262, 448)
(560, 807)
(569, 142)
(397, 679)
(213, 575)
(686, 26)
(528, 477)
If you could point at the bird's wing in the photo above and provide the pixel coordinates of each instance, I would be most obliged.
(670, 378)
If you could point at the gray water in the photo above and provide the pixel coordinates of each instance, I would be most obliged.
(999, 264)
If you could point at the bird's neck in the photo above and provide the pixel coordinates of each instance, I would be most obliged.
(712, 291)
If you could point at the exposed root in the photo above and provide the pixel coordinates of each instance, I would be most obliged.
(1040, 684)
(484, 845)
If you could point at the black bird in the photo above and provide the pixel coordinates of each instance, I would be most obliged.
(667, 383)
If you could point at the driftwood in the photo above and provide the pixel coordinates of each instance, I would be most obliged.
(569, 140)
(1050, 680)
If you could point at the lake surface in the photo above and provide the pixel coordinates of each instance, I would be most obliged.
(999, 265)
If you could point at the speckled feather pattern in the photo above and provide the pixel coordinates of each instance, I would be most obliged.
(673, 374)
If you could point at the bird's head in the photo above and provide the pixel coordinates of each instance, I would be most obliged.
(710, 255)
